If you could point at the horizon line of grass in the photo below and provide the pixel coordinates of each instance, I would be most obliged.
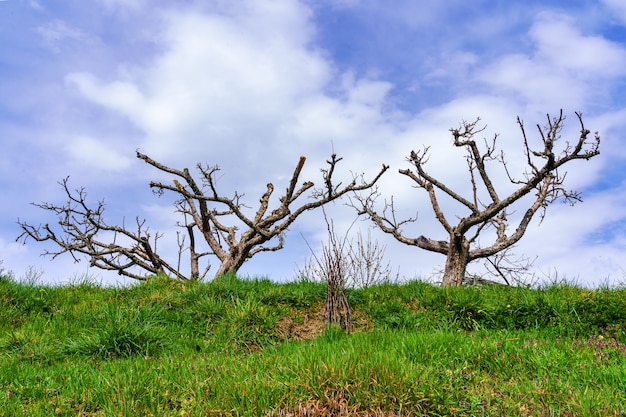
(237, 346)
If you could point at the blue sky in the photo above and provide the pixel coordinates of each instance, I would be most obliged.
(252, 85)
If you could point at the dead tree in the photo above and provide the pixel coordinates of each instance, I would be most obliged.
(232, 236)
(541, 175)
(80, 230)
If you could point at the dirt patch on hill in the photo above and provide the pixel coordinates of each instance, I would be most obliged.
(333, 406)
(302, 325)
(307, 325)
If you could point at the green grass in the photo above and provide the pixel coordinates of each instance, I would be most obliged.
(246, 347)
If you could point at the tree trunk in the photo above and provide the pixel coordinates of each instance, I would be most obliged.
(231, 264)
(456, 261)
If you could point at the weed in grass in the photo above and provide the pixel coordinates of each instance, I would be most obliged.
(250, 324)
(297, 295)
(121, 334)
(26, 298)
(606, 346)
(392, 314)
(14, 342)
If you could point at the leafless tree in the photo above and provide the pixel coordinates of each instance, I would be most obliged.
(232, 236)
(541, 175)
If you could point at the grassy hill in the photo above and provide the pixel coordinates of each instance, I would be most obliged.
(245, 347)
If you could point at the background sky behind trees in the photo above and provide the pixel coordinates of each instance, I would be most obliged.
(252, 85)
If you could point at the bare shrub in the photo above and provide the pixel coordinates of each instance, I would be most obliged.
(362, 260)
(5, 272)
(331, 267)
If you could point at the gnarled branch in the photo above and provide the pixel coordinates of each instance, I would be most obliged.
(232, 236)
(542, 175)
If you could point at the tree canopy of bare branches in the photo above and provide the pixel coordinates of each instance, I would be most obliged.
(542, 175)
(232, 236)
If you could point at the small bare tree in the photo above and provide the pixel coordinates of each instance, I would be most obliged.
(232, 236)
(362, 260)
(344, 263)
(333, 266)
(541, 176)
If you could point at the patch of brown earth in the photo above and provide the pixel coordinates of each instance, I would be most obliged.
(313, 410)
(335, 406)
(302, 325)
(307, 325)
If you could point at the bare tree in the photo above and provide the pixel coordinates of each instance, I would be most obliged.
(541, 176)
(232, 236)
(80, 232)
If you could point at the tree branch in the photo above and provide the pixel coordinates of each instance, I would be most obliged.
(542, 175)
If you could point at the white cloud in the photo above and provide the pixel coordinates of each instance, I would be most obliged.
(35, 4)
(224, 84)
(611, 124)
(565, 240)
(560, 44)
(617, 6)
(455, 65)
(246, 88)
(10, 250)
(566, 69)
(133, 5)
(97, 154)
(57, 34)
(534, 83)
(122, 96)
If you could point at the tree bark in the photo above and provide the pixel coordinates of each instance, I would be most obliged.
(457, 258)
(231, 264)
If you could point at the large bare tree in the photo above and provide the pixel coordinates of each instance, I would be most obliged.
(484, 206)
(232, 236)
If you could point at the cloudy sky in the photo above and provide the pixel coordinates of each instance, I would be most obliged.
(251, 85)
